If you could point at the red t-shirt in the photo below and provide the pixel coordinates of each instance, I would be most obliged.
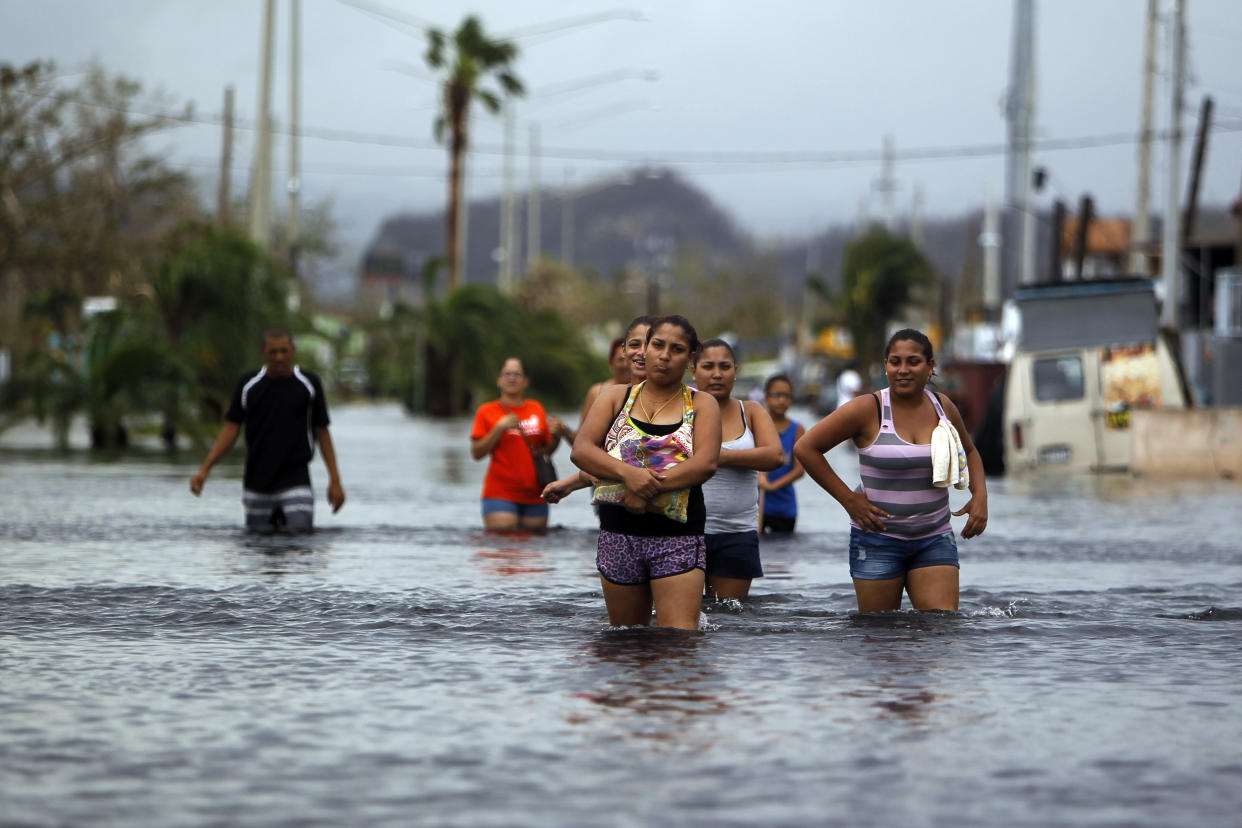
(511, 472)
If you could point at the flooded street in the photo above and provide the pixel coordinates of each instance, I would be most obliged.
(400, 666)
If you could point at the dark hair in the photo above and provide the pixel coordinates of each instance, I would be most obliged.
(910, 334)
(618, 344)
(713, 343)
(277, 332)
(516, 359)
(775, 378)
(677, 321)
(639, 320)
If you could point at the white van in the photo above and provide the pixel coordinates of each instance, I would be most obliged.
(1088, 353)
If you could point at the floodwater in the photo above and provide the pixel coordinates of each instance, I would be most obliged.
(402, 667)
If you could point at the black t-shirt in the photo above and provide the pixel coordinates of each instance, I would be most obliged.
(615, 518)
(280, 416)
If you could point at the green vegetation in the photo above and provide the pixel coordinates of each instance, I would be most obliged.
(179, 304)
(881, 276)
(443, 358)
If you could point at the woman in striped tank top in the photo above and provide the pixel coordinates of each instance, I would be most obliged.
(900, 537)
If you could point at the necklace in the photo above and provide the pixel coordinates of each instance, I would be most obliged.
(651, 415)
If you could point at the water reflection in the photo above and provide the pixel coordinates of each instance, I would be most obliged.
(513, 554)
(653, 684)
(283, 554)
(911, 662)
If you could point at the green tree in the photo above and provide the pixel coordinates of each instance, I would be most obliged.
(466, 58)
(81, 205)
(881, 275)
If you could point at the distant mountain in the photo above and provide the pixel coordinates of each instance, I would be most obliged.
(635, 219)
(611, 225)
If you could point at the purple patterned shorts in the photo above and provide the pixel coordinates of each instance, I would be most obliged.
(630, 560)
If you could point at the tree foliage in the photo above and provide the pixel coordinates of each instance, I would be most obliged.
(881, 275)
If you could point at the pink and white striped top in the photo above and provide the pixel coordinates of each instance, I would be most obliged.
(896, 476)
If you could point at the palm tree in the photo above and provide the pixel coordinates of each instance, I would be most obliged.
(467, 59)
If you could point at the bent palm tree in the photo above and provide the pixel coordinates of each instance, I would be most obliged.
(468, 59)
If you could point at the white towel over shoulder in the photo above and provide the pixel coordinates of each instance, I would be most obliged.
(948, 457)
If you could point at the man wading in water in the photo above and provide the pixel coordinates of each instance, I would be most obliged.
(285, 414)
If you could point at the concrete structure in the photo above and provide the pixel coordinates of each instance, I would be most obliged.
(1205, 442)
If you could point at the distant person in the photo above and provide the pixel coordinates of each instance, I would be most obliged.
(510, 431)
(285, 414)
(779, 503)
(651, 446)
(900, 536)
(749, 445)
(619, 365)
(849, 384)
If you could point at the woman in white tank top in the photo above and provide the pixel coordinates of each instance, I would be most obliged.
(749, 444)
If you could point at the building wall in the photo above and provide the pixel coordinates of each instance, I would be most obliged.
(1201, 442)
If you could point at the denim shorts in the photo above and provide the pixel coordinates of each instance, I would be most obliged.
(522, 510)
(734, 555)
(876, 557)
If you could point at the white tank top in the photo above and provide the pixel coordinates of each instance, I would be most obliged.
(732, 494)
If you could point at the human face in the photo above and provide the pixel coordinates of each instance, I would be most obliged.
(907, 369)
(668, 355)
(715, 372)
(778, 398)
(636, 352)
(278, 353)
(512, 380)
(620, 364)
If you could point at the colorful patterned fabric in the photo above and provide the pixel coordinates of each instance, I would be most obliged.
(627, 442)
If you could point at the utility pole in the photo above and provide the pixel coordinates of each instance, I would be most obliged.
(1191, 212)
(886, 184)
(533, 248)
(295, 123)
(1019, 223)
(1142, 220)
(226, 162)
(508, 231)
(260, 217)
(567, 220)
(989, 240)
(1170, 317)
(916, 216)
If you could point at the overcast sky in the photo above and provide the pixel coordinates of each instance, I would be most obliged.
(734, 76)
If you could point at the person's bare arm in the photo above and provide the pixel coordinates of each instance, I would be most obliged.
(796, 471)
(977, 507)
(847, 422)
(702, 464)
(224, 442)
(588, 453)
(767, 454)
(480, 447)
(336, 493)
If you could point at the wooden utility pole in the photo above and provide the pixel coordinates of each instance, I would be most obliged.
(226, 161)
(1196, 169)
(533, 208)
(1086, 212)
(1140, 237)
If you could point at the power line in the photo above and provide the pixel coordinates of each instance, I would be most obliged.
(774, 158)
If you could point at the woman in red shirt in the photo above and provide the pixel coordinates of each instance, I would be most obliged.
(509, 430)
